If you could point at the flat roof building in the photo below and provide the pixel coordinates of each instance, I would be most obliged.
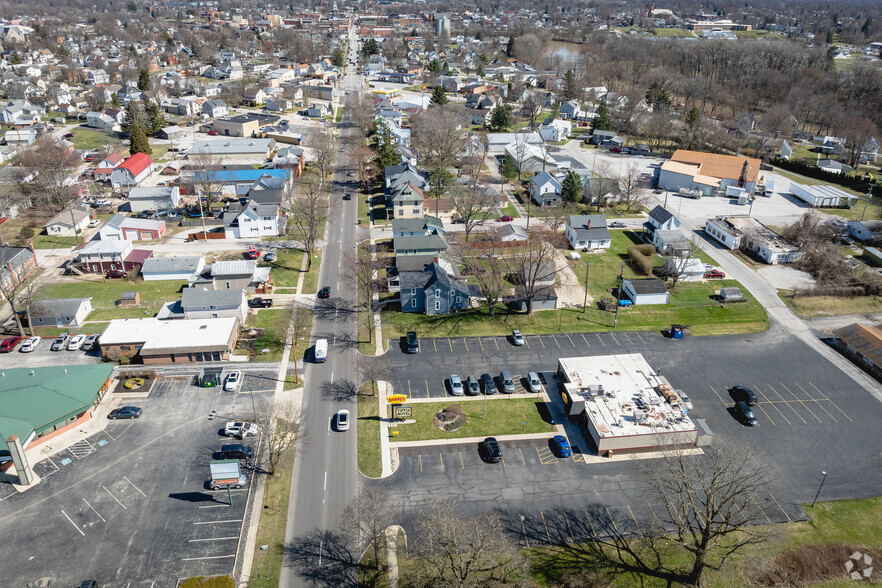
(180, 341)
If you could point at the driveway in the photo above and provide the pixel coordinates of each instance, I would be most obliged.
(570, 293)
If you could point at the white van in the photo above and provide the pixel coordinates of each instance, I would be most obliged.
(321, 350)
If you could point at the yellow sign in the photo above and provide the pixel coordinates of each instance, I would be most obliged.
(396, 399)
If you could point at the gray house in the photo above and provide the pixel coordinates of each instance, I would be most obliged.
(155, 198)
(432, 291)
(408, 227)
(588, 231)
(233, 275)
(201, 304)
(60, 312)
(867, 231)
(215, 108)
(172, 268)
(433, 245)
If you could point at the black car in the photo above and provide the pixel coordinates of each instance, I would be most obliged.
(325, 292)
(236, 451)
(745, 414)
(126, 412)
(413, 343)
(260, 302)
(494, 453)
(744, 394)
(488, 384)
(347, 196)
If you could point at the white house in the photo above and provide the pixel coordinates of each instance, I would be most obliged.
(215, 108)
(646, 291)
(545, 190)
(556, 130)
(100, 121)
(22, 112)
(69, 222)
(724, 230)
(254, 220)
(588, 231)
(131, 229)
(689, 269)
(530, 158)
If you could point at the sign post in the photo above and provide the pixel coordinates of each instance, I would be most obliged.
(397, 399)
(225, 472)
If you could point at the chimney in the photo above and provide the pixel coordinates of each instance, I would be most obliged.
(588, 226)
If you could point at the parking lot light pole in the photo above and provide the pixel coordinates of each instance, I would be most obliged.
(585, 303)
(819, 487)
(485, 403)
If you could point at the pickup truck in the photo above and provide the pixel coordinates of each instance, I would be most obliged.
(260, 302)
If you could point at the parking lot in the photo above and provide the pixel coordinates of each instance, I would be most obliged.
(811, 419)
(131, 506)
(42, 356)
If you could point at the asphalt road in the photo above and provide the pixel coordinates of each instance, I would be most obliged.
(326, 473)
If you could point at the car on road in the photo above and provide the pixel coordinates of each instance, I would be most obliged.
(252, 253)
(30, 344)
(94, 222)
(258, 302)
(517, 338)
(347, 196)
(343, 420)
(212, 132)
(75, 342)
(505, 219)
(685, 400)
(742, 393)
(488, 384)
(240, 429)
(533, 382)
(413, 343)
(715, 273)
(236, 451)
(270, 256)
(472, 386)
(507, 382)
(325, 292)
(745, 415)
(9, 344)
(232, 381)
(240, 483)
(491, 446)
(617, 225)
(126, 412)
(561, 446)
(60, 342)
(90, 341)
(115, 275)
(455, 385)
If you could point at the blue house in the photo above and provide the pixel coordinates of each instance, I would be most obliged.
(432, 291)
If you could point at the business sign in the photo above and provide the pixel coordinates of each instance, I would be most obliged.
(402, 412)
(397, 399)
(224, 471)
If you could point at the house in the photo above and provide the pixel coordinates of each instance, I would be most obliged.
(100, 121)
(571, 109)
(786, 151)
(131, 229)
(588, 231)
(726, 230)
(822, 195)
(545, 190)
(497, 143)
(291, 157)
(406, 200)
(254, 96)
(659, 218)
(110, 162)
(511, 232)
(599, 137)
(645, 291)
(202, 304)
(556, 130)
(672, 243)
(180, 268)
(232, 179)
(132, 171)
(59, 312)
(865, 231)
(248, 150)
(97, 257)
(707, 172)
(17, 264)
(254, 219)
(529, 158)
(231, 275)
(831, 166)
(431, 245)
(69, 222)
(215, 108)
(156, 198)
(157, 341)
(21, 112)
(685, 269)
(870, 150)
(317, 110)
(432, 291)
(427, 225)
(863, 345)
(21, 138)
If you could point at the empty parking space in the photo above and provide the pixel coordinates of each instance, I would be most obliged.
(789, 403)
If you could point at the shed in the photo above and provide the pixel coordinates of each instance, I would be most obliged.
(731, 294)
(130, 299)
(646, 291)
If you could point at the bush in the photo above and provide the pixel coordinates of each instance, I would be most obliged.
(640, 261)
(646, 249)
(27, 233)
(125, 360)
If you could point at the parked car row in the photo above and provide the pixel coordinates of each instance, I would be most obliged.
(63, 341)
(486, 384)
(493, 453)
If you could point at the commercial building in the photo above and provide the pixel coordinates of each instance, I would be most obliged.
(822, 195)
(625, 405)
(708, 172)
(39, 403)
(156, 198)
(863, 345)
(239, 150)
(156, 341)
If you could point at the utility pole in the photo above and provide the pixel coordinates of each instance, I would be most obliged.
(619, 295)
(867, 201)
(585, 304)
(77, 232)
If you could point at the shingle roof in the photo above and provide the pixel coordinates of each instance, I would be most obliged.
(660, 214)
(54, 307)
(161, 265)
(648, 286)
(193, 298)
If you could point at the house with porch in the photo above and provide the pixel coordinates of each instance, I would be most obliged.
(432, 291)
(545, 190)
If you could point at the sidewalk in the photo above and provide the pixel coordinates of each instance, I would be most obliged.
(493, 167)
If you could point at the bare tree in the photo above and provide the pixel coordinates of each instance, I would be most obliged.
(363, 156)
(372, 368)
(474, 204)
(439, 134)
(360, 270)
(678, 265)
(457, 550)
(362, 109)
(533, 265)
(53, 168)
(207, 173)
(857, 131)
(281, 427)
(323, 146)
(309, 213)
(19, 291)
(485, 266)
(474, 154)
(533, 104)
(657, 128)
(520, 152)
(368, 515)
(633, 192)
(603, 182)
(557, 216)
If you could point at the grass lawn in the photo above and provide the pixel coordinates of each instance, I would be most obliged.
(310, 281)
(510, 210)
(369, 461)
(814, 306)
(267, 564)
(866, 210)
(286, 269)
(275, 321)
(339, 116)
(104, 295)
(505, 416)
(671, 33)
(88, 140)
(53, 242)
(364, 207)
(208, 582)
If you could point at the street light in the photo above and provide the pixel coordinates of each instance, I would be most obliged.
(819, 487)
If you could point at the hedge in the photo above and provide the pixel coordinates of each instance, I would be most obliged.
(640, 261)
(811, 171)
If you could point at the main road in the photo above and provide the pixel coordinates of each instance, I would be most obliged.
(326, 473)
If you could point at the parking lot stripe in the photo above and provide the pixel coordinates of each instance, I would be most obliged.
(801, 402)
(441, 455)
(214, 506)
(450, 344)
(114, 497)
(609, 514)
(764, 513)
(765, 413)
(555, 341)
(789, 520)
(524, 461)
(817, 402)
(435, 345)
(547, 534)
(718, 395)
(135, 487)
(466, 343)
(636, 524)
(593, 532)
(788, 404)
(775, 406)
(496, 343)
(524, 529)
(830, 401)
(409, 393)
(218, 522)
(571, 341)
(569, 528)
(213, 539)
(73, 523)
(208, 557)
(481, 344)
(599, 339)
(585, 340)
(625, 335)
(613, 335)
(427, 389)
(639, 337)
(461, 462)
(527, 342)
(421, 463)
(541, 341)
(93, 510)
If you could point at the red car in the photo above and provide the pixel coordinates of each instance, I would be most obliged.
(212, 132)
(2, 219)
(115, 275)
(252, 253)
(715, 273)
(615, 150)
(505, 219)
(9, 344)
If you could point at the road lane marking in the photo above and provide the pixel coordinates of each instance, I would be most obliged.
(547, 534)
(801, 401)
(593, 532)
(326, 481)
(442, 459)
(427, 389)
(788, 404)
(135, 487)
(466, 343)
(208, 557)
(789, 520)
(409, 393)
(830, 401)
(218, 522)
(585, 340)
(213, 539)
(73, 523)
(214, 506)
(420, 456)
(93, 510)
(114, 497)
(775, 406)
(435, 345)
(496, 342)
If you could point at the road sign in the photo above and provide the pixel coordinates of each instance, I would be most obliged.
(397, 399)
(402, 412)
(224, 471)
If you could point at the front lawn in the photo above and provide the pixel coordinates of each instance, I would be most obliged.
(505, 416)
(286, 268)
(53, 242)
(275, 323)
(310, 281)
(87, 140)
(369, 460)
(510, 210)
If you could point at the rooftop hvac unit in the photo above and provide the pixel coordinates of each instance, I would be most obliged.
(595, 390)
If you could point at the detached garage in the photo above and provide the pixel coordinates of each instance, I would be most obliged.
(647, 291)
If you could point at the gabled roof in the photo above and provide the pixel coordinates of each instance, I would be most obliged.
(195, 299)
(865, 339)
(233, 268)
(543, 178)
(136, 164)
(419, 242)
(660, 215)
(54, 307)
(719, 166)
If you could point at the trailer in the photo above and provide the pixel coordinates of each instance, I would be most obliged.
(689, 193)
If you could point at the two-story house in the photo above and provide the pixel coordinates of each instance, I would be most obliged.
(432, 291)
(407, 201)
(545, 190)
(254, 219)
(661, 219)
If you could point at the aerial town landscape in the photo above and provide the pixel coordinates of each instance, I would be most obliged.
(408, 293)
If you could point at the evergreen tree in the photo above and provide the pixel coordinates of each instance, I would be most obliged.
(602, 122)
(657, 96)
(691, 117)
(435, 66)
(828, 38)
(508, 168)
(571, 188)
(500, 118)
(384, 145)
(868, 24)
(138, 142)
(480, 71)
(144, 80)
(15, 58)
(439, 96)
(370, 48)
(155, 119)
(114, 100)
(510, 47)
(338, 58)
(133, 117)
(570, 89)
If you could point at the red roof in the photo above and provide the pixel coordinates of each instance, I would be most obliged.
(138, 256)
(136, 163)
(114, 158)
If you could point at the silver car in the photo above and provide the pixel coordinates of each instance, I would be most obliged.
(60, 342)
(456, 385)
(507, 382)
(533, 382)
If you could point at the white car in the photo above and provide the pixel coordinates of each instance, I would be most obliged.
(231, 384)
(30, 344)
(76, 342)
(455, 385)
(240, 429)
(343, 420)
(685, 399)
(94, 222)
(517, 338)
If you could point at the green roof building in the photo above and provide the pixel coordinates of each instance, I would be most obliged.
(35, 402)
